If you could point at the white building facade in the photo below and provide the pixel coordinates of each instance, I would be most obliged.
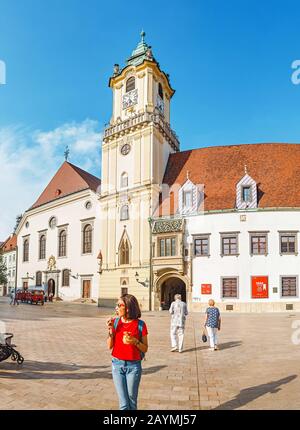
(9, 254)
(58, 241)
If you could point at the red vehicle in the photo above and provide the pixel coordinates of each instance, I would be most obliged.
(37, 296)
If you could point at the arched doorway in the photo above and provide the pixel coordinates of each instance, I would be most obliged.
(169, 288)
(51, 287)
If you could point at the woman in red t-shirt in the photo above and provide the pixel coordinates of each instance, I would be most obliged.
(127, 337)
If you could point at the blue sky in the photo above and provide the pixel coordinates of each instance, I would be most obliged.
(230, 63)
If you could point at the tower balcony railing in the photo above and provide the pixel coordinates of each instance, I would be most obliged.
(139, 119)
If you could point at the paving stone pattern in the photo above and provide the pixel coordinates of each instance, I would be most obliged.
(67, 365)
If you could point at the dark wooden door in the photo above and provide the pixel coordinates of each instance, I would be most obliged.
(86, 289)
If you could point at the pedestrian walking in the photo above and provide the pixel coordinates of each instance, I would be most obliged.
(178, 311)
(212, 324)
(127, 338)
(13, 298)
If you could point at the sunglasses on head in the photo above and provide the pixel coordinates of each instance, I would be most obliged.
(120, 305)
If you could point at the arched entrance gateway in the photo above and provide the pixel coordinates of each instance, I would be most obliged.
(169, 288)
(166, 286)
(51, 287)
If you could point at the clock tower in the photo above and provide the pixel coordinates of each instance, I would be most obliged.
(135, 150)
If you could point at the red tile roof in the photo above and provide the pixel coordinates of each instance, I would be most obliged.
(10, 244)
(68, 179)
(275, 167)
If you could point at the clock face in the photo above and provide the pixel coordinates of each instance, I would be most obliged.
(125, 149)
(130, 99)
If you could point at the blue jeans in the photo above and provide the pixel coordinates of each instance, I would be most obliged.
(127, 376)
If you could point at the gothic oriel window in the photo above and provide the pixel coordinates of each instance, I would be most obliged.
(66, 278)
(87, 239)
(26, 250)
(42, 250)
(124, 213)
(124, 252)
(130, 84)
(38, 279)
(62, 245)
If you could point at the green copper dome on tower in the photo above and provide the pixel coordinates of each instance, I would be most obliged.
(140, 53)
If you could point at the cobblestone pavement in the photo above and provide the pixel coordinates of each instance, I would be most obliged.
(67, 365)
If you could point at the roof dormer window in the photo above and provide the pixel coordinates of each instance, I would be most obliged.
(246, 194)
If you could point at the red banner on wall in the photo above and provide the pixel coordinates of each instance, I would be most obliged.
(205, 288)
(260, 287)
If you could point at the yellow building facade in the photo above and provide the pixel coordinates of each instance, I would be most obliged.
(135, 150)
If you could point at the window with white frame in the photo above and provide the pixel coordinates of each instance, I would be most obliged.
(124, 180)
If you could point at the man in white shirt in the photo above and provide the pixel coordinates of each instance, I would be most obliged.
(178, 311)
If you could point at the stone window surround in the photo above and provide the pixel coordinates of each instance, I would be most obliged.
(237, 287)
(26, 237)
(156, 245)
(297, 287)
(262, 233)
(288, 233)
(42, 233)
(201, 236)
(84, 223)
(62, 278)
(226, 234)
(61, 228)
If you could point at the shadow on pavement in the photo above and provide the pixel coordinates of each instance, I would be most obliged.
(40, 370)
(226, 345)
(249, 394)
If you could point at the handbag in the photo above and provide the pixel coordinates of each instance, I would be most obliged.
(204, 337)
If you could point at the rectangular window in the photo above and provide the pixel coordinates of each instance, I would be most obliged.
(287, 244)
(167, 247)
(230, 287)
(187, 199)
(229, 245)
(246, 194)
(289, 286)
(201, 246)
(258, 244)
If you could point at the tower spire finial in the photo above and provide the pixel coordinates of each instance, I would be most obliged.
(67, 153)
(143, 34)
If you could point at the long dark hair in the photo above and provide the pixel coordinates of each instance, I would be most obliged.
(132, 307)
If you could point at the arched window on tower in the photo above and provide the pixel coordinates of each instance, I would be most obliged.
(124, 180)
(124, 252)
(26, 250)
(160, 91)
(130, 84)
(124, 213)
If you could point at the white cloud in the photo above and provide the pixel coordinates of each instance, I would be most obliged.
(29, 159)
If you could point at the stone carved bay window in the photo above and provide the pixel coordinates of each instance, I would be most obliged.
(87, 239)
(42, 247)
(167, 247)
(66, 278)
